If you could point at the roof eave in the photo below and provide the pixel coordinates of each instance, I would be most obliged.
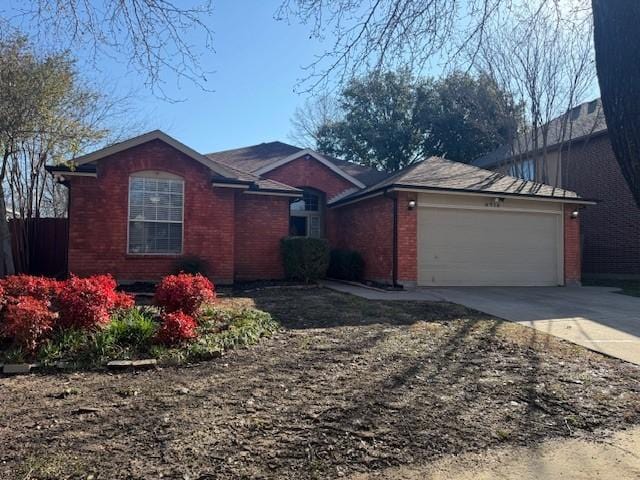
(421, 189)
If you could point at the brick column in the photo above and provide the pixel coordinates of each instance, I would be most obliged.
(407, 240)
(572, 254)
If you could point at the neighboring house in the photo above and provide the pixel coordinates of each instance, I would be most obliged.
(579, 157)
(138, 206)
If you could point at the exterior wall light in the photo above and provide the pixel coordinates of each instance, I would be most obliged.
(412, 204)
(575, 214)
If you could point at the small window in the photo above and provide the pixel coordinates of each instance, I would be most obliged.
(308, 203)
(156, 202)
(306, 215)
(575, 112)
(592, 106)
(525, 169)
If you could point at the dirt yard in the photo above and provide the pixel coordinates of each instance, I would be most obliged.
(351, 387)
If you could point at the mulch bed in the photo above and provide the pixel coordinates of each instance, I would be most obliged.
(349, 386)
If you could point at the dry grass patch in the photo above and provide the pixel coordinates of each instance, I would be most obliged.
(350, 386)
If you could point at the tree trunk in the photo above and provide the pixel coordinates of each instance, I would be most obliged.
(617, 39)
(6, 264)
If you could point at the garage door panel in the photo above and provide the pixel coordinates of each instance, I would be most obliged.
(478, 247)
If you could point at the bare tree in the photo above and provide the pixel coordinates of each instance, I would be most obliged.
(149, 35)
(543, 55)
(308, 119)
(383, 33)
(47, 115)
(387, 34)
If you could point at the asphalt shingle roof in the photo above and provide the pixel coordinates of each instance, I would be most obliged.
(256, 157)
(437, 173)
(579, 122)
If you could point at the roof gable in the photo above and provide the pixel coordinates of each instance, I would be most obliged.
(150, 136)
(316, 156)
(265, 157)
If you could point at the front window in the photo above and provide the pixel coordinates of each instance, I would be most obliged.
(306, 215)
(155, 213)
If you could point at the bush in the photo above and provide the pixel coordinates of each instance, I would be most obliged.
(42, 288)
(192, 265)
(346, 265)
(305, 259)
(184, 293)
(132, 328)
(27, 322)
(177, 327)
(87, 303)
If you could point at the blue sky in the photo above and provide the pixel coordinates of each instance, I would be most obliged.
(257, 65)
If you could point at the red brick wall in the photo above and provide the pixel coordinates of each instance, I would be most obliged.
(407, 239)
(572, 256)
(611, 229)
(308, 172)
(261, 221)
(367, 227)
(98, 217)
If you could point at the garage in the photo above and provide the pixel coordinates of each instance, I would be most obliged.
(488, 241)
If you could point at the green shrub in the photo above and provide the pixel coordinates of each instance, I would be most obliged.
(346, 265)
(65, 344)
(132, 328)
(191, 264)
(305, 259)
(128, 334)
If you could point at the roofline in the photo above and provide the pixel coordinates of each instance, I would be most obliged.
(452, 191)
(273, 192)
(552, 147)
(147, 137)
(241, 186)
(302, 153)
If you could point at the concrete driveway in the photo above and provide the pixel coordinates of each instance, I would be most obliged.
(594, 317)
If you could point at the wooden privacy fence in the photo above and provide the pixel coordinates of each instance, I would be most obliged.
(40, 246)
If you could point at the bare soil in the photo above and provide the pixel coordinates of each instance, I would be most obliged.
(350, 387)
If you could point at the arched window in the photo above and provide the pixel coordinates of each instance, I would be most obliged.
(156, 206)
(307, 214)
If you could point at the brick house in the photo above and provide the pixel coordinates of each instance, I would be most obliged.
(139, 206)
(579, 157)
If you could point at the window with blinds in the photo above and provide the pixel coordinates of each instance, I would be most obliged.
(155, 214)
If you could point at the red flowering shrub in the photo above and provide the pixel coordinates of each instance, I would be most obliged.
(123, 301)
(184, 292)
(88, 302)
(176, 328)
(42, 288)
(27, 321)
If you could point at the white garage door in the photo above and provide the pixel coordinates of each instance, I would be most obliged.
(459, 247)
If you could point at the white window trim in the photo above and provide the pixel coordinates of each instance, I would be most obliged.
(155, 174)
(308, 214)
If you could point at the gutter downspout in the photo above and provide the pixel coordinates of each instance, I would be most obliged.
(394, 260)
